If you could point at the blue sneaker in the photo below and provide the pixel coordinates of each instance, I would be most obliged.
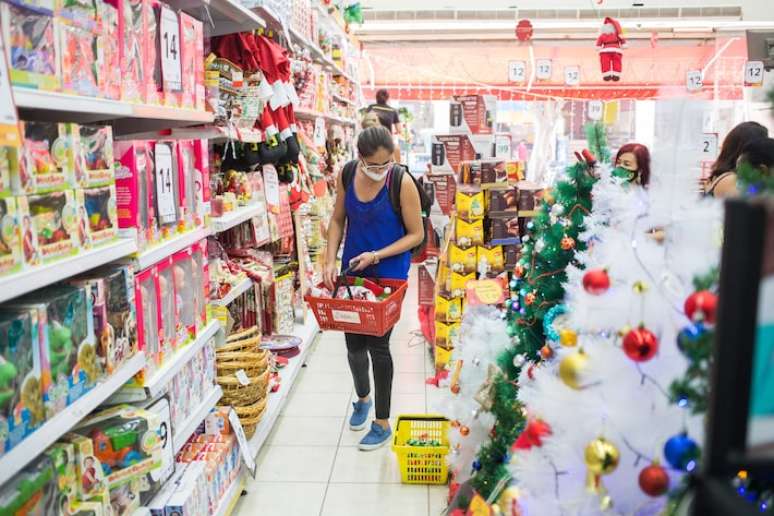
(360, 414)
(376, 438)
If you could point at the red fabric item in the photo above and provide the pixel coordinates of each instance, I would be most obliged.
(532, 435)
(238, 48)
(281, 121)
(266, 123)
(611, 65)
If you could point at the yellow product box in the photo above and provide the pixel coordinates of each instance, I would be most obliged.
(469, 233)
(463, 261)
(446, 334)
(448, 310)
(470, 205)
(493, 257)
(458, 283)
(442, 357)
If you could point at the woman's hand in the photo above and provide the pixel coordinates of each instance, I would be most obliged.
(360, 262)
(330, 273)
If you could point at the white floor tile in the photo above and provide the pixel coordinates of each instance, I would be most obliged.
(408, 363)
(408, 383)
(375, 500)
(317, 405)
(306, 431)
(295, 463)
(270, 498)
(311, 381)
(355, 466)
(437, 496)
(328, 362)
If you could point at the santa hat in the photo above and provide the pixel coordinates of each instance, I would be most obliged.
(616, 25)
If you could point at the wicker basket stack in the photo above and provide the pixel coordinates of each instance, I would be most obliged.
(243, 374)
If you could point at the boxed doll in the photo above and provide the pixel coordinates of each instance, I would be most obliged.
(166, 194)
(10, 237)
(47, 161)
(152, 87)
(94, 156)
(109, 43)
(78, 13)
(202, 165)
(201, 282)
(148, 322)
(80, 61)
(134, 187)
(192, 61)
(31, 45)
(97, 215)
(21, 399)
(185, 294)
(127, 442)
(68, 356)
(49, 224)
(131, 30)
(187, 179)
(168, 303)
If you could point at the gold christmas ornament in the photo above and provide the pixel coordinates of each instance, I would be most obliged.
(485, 394)
(571, 368)
(640, 287)
(601, 456)
(508, 502)
(549, 198)
(568, 338)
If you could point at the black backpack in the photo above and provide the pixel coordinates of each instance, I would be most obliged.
(425, 201)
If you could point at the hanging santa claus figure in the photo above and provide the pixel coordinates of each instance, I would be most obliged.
(609, 43)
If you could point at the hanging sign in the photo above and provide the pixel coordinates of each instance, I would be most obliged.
(319, 132)
(169, 44)
(596, 109)
(517, 71)
(753, 73)
(165, 184)
(9, 127)
(543, 69)
(271, 188)
(572, 75)
(709, 146)
(694, 80)
(244, 446)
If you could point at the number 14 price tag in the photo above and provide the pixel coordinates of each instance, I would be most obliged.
(165, 195)
(169, 40)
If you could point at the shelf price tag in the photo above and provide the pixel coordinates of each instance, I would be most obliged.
(572, 75)
(169, 44)
(694, 81)
(543, 69)
(517, 71)
(319, 132)
(9, 128)
(709, 146)
(244, 445)
(165, 184)
(596, 108)
(753, 73)
(271, 188)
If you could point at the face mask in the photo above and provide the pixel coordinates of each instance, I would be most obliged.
(375, 176)
(624, 173)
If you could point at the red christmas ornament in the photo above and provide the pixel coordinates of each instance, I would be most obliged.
(596, 282)
(455, 423)
(532, 435)
(567, 243)
(464, 431)
(531, 372)
(518, 271)
(701, 306)
(546, 352)
(529, 298)
(493, 432)
(524, 30)
(455, 388)
(654, 480)
(640, 344)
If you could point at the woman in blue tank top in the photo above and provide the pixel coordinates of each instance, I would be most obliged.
(378, 243)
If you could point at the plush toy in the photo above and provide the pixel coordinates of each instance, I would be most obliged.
(609, 44)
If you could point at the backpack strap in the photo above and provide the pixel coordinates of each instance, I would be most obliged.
(394, 183)
(348, 174)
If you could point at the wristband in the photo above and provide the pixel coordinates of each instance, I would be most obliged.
(376, 257)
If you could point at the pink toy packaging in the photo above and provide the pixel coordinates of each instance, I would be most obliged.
(201, 282)
(192, 60)
(148, 322)
(134, 186)
(131, 33)
(80, 64)
(185, 294)
(166, 190)
(32, 46)
(202, 166)
(110, 45)
(171, 326)
(152, 87)
(187, 178)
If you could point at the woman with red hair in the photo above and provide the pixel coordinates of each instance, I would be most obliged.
(633, 164)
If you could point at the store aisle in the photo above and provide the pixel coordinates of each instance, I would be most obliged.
(310, 464)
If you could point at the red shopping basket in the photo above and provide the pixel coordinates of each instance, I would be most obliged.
(358, 316)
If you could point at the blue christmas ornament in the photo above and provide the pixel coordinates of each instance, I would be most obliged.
(690, 334)
(476, 465)
(681, 452)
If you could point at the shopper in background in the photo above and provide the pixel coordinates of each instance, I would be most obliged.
(388, 116)
(633, 164)
(378, 243)
(371, 119)
(758, 154)
(722, 182)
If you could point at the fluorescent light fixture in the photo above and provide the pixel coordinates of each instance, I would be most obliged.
(703, 25)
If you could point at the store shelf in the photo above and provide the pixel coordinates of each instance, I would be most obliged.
(231, 497)
(234, 293)
(216, 133)
(188, 427)
(126, 118)
(13, 461)
(311, 115)
(233, 218)
(307, 333)
(167, 248)
(341, 99)
(220, 16)
(156, 384)
(37, 277)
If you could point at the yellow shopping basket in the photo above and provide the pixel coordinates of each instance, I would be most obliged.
(421, 445)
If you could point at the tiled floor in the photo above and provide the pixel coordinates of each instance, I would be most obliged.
(310, 465)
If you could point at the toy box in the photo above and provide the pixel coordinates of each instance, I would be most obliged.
(109, 43)
(62, 457)
(11, 258)
(126, 442)
(190, 498)
(80, 64)
(90, 478)
(187, 180)
(78, 13)
(125, 499)
(31, 491)
(131, 30)
(31, 45)
(47, 161)
(113, 307)
(185, 294)
(191, 60)
(68, 356)
(469, 233)
(202, 165)
(49, 226)
(148, 322)
(94, 158)
(171, 325)
(9, 167)
(97, 215)
(152, 87)
(166, 193)
(21, 399)
(448, 310)
(462, 261)
(156, 478)
(201, 280)
(470, 205)
(134, 186)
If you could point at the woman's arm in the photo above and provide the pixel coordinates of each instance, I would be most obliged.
(335, 234)
(411, 212)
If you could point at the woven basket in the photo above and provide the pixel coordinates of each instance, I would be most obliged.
(238, 395)
(248, 333)
(253, 364)
(251, 415)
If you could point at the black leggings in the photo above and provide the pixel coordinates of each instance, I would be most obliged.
(358, 348)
